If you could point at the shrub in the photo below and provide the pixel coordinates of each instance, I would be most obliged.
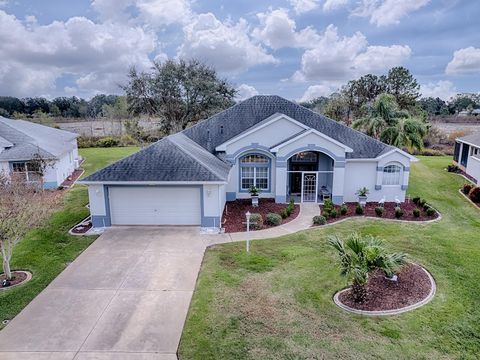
(416, 199)
(274, 219)
(107, 141)
(430, 211)
(379, 211)
(290, 207)
(319, 220)
(416, 212)
(284, 213)
(333, 213)
(398, 212)
(431, 152)
(359, 209)
(256, 221)
(453, 168)
(343, 209)
(326, 213)
(425, 207)
(475, 195)
(467, 188)
(422, 202)
(328, 204)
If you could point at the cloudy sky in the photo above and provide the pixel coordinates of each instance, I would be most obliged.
(298, 49)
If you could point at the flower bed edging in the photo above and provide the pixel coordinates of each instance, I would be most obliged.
(80, 223)
(470, 200)
(29, 277)
(431, 294)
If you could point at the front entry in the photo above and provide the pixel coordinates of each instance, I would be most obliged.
(309, 187)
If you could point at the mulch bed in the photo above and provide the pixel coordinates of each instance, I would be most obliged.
(469, 177)
(413, 285)
(72, 178)
(83, 227)
(17, 278)
(234, 213)
(388, 212)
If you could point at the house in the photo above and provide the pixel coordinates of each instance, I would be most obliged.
(467, 155)
(22, 141)
(277, 145)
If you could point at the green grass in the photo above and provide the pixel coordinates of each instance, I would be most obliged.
(97, 158)
(47, 250)
(276, 303)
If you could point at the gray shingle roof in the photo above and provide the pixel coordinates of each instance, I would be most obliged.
(174, 158)
(191, 156)
(235, 120)
(27, 139)
(471, 139)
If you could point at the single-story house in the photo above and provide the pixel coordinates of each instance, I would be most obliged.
(282, 148)
(467, 155)
(21, 142)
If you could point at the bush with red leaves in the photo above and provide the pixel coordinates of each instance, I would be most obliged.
(475, 195)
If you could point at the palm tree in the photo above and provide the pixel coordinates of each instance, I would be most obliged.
(386, 122)
(359, 256)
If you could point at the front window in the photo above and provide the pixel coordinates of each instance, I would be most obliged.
(391, 175)
(26, 171)
(254, 171)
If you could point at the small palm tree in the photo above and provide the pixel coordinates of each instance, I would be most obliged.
(359, 256)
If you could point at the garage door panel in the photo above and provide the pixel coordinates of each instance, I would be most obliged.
(155, 205)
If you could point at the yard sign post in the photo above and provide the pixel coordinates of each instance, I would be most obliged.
(248, 230)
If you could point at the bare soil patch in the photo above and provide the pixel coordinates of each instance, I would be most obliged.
(234, 213)
(413, 285)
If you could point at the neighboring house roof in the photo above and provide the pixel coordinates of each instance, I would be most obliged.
(472, 139)
(191, 156)
(174, 158)
(24, 139)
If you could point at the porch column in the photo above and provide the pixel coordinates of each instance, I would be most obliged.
(280, 181)
(338, 181)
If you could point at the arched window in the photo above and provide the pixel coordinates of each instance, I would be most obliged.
(254, 171)
(392, 175)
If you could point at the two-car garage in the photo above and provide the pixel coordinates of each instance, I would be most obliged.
(155, 205)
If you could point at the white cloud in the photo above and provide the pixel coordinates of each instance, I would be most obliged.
(245, 91)
(315, 91)
(164, 12)
(387, 12)
(97, 55)
(331, 5)
(303, 6)
(112, 9)
(278, 30)
(465, 61)
(336, 58)
(227, 46)
(442, 89)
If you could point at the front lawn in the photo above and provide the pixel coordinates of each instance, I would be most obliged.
(276, 302)
(48, 250)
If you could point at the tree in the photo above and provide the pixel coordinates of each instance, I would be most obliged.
(24, 206)
(386, 122)
(179, 92)
(434, 106)
(359, 256)
(401, 84)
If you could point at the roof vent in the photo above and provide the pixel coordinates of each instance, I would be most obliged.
(221, 129)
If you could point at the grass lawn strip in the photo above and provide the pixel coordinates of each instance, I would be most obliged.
(46, 251)
(276, 302)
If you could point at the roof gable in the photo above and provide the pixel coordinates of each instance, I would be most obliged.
(306, 133)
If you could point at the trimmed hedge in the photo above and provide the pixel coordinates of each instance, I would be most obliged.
(474, 195)
(274, 219)
(319, 220)
(256, 221)
(379, 211)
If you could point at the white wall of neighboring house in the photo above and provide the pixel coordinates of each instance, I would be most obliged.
(4, 168)
(473, 164)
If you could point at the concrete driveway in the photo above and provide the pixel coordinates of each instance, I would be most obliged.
(125, 297)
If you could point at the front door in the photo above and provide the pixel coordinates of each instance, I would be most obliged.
(309, 187)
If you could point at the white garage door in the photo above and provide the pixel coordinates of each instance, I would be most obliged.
(155, 205)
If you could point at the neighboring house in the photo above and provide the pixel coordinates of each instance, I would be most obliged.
(467, 155)
(282, 148)
(21, 141)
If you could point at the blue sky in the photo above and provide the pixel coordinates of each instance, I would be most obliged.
(299, 49)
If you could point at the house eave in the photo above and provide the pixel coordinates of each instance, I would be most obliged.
(152, 183)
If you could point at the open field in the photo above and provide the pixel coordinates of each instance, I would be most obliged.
(276, 303)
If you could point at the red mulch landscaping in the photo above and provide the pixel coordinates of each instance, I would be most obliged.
(83, 227)
(17, 278)
(388, 212)
(413, 285)
(234, 213)
(72, 178)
